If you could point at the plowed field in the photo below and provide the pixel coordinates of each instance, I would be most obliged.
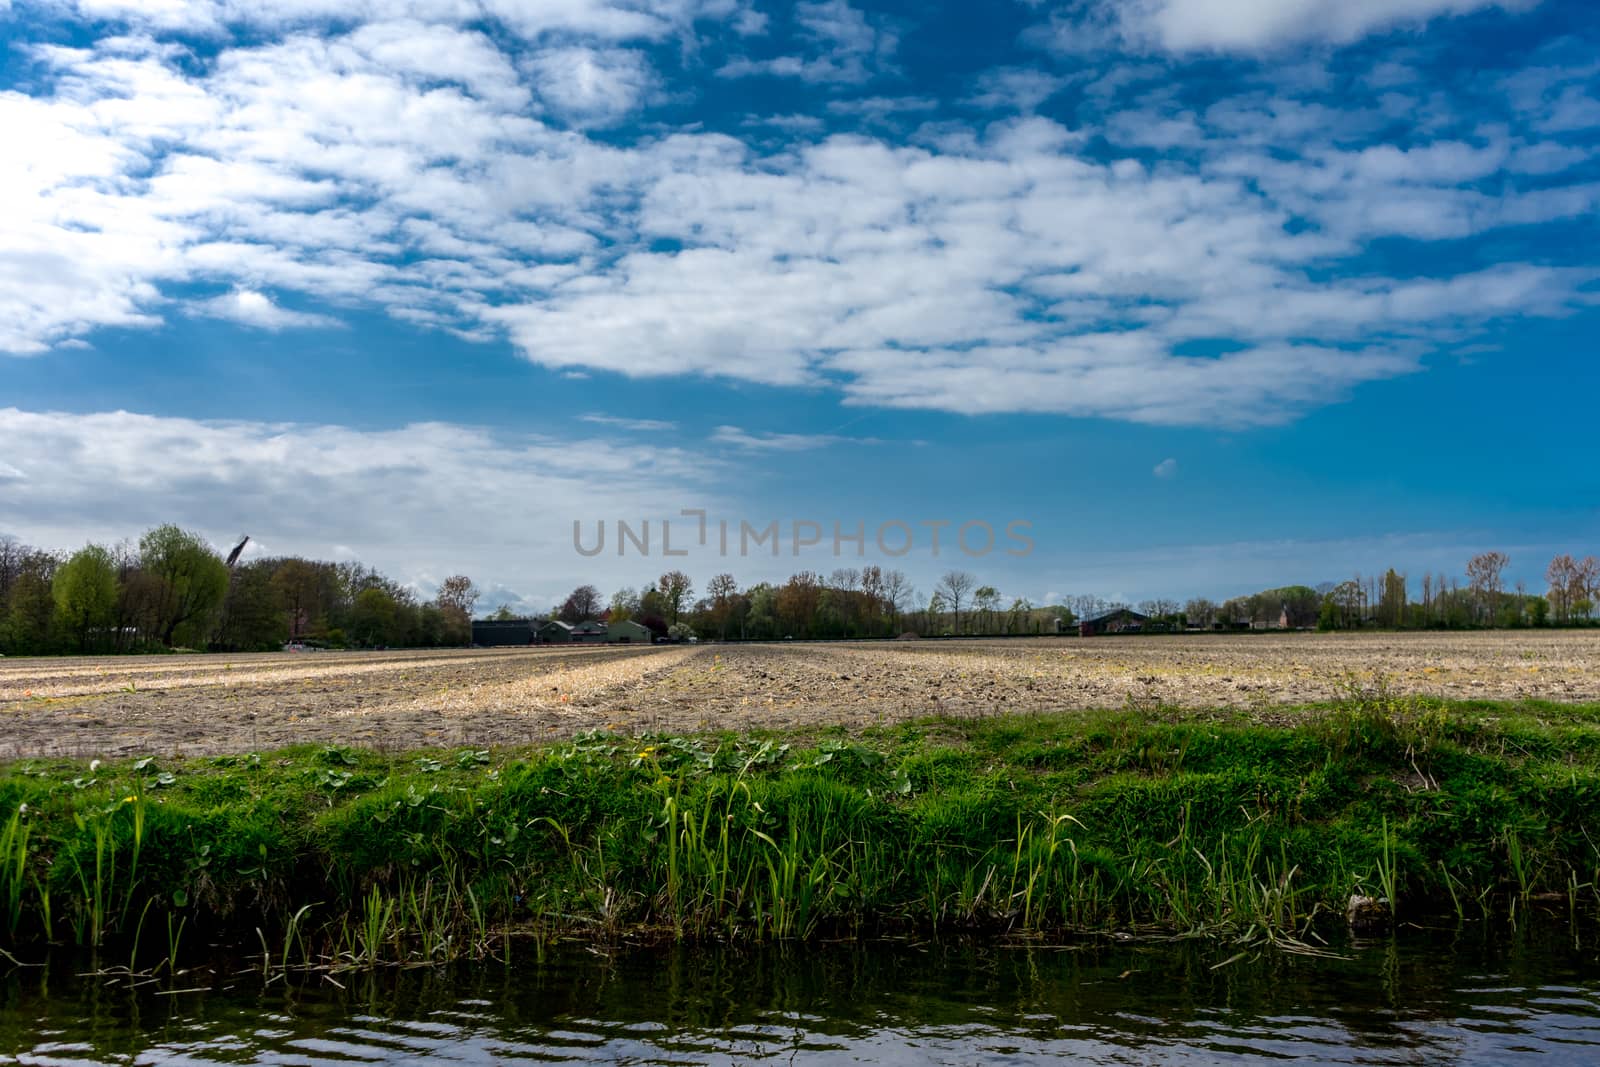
(207, 704)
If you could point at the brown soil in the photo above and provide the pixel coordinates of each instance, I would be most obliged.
(209, 704)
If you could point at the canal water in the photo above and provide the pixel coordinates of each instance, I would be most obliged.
(1439, 997)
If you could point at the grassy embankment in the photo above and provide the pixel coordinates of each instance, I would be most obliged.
(1138, 819)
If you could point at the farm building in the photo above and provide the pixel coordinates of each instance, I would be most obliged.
(589, 631)
(1115, 621)
(628, 632)
(554, 632)
(496, 632)
(593, 632)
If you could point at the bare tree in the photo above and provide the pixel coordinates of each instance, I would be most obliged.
(1086, 605)
(1587, 579)
(1560, 575)
(846, 579)
(897, 596)
(1486, 573)
(872, 590)
(582, 604)
(457, 594)
(986, 599)
(1392, 600)
(1158, 607)
(722, 589)
(12, 554)
(1200, 612)
(455, 599)
(953, 589)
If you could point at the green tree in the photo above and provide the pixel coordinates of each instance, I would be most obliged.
(985, 601)
(253, 615)
(193, 580)
(373, 618)
(27, 615)
(762, 621)
(85, 589)
(299, 584)
(676, 589)
(624, 605)
(1539, 610)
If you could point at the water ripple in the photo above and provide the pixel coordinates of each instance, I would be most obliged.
(961, 1004)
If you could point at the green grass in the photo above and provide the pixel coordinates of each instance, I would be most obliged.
(1142, 819)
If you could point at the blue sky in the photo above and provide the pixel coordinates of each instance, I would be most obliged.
(1214, 294)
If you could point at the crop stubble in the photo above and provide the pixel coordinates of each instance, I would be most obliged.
(195, 705)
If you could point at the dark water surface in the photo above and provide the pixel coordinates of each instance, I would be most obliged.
(1434, 998)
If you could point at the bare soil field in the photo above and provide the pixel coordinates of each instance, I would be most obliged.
(195, 705)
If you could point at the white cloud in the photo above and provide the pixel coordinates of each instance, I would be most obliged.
(1019, 265)
(423, 499)
(1167, 468)
(882, 106)
(635, 425)
(784, 442)
(250, 308)
(613, 20)
(591, 86)
(837, 23)
(849, 48)
(849, 70)
(1016, 88)
(1256, 25)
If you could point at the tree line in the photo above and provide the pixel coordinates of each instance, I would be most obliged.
(170, 589)
(873, 602)
(850, 602)
(1483, 600)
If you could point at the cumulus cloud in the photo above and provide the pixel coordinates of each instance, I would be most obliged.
(417, 164)
(409, 500)
(250, 308)
(590, 86)
(1257, 25)
(1167, 468)
(616, 20)
(846, 47)
(1016, 88)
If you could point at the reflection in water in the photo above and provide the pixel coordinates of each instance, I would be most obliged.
(1444, 999)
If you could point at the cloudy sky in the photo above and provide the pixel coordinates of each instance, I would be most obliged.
(1212, 294)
